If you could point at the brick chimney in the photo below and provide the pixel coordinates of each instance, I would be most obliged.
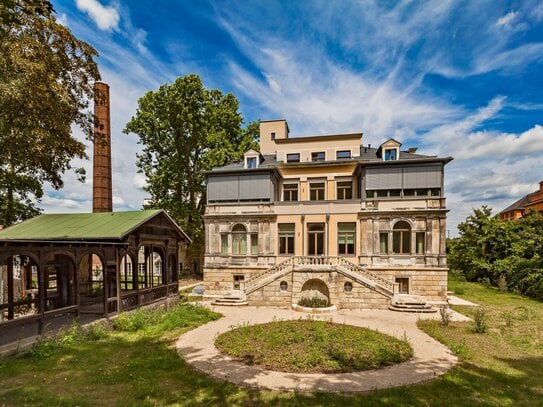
(101, 173)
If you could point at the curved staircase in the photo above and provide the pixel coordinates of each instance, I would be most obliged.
(399, 302)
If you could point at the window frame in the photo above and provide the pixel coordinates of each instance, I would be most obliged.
(340, 152)
(401, 238)
(289, 238)
(342, 196)
(287, 188)
(312, 189)
(314, 156)
(289, 158)
(346, 234)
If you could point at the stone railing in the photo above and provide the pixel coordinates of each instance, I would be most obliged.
(258, 280)
(351, 270)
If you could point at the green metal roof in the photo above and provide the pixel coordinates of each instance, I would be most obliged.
(80, 226)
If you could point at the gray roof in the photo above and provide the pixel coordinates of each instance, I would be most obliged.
(520, 204)
(367, 155)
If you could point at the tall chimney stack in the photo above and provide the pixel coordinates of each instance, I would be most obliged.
(101, 176)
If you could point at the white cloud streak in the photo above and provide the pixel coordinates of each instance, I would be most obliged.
(105, 17)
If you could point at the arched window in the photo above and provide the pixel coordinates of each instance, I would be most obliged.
(239, 239)
(401, 238)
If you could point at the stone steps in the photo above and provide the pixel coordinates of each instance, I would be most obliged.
(231, 298)
(410, 303)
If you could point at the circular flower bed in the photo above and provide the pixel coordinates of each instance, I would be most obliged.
(311, 346)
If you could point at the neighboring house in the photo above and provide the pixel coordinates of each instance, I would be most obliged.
(530, 202)
(325, 216)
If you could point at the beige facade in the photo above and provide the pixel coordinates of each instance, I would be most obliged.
(340, 221)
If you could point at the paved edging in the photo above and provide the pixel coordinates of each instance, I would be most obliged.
(431, 359)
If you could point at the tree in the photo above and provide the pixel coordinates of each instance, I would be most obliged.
(185, 131)
(46, 80)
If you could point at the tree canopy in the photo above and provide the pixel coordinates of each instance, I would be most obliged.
(489, 249)
(185, 131)
(46, 81)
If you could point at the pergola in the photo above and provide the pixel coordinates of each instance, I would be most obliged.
(100, 263)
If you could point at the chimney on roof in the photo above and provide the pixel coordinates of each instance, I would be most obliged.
(101, 170)
(541, 186)
(412, 150)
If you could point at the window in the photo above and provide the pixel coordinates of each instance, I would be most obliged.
(283, 286)
(420, 238)
(293, 158)
(238, 281)
(348, 287)
(343, 155)
(401, 238)
(254, 243)
(391, 154)
(251, 162)
(408, 192)
(290, 192)
(404, 284)
(273, 136)
(316, 191)
(239, 240)
(421, 192)
(224, 243)
(346, 238)
(320, 156)
(394, 192)
(286, 238)
(344, 190)
(435, 192)
(383, 243)
(370, 194)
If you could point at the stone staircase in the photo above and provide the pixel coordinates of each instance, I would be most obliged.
(410, 303)
(399, 302)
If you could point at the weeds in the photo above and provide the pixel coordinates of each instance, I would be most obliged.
(480, 321)
(314, 302)
(445, 314)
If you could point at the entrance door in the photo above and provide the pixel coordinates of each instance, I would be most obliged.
(315, 235)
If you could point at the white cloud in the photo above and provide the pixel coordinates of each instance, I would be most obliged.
(506, 20)
(117, 200)
(63, 19)
(106, 18)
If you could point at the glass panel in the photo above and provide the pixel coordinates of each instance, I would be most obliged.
(282, 244)
(408, 192)
(394, 192)
(316, 227)
(254, 243)
(342, 155)
(383, 243)
(382, 193)
(224, 244)
(293, 158)
(290, 240)
(370, 194)
(435, 191)
(396, 242)
(422, 192)
(320, 243)
(420, 242)
(286, 227)
(290, 192)
(406, 242)
(320, 156)
(346, 227)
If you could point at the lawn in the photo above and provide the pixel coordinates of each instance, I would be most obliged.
(312, 346)
(138, 366)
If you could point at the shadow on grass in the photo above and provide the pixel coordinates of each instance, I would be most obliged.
(130, 369)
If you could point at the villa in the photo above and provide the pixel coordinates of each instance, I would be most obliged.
(327, 217)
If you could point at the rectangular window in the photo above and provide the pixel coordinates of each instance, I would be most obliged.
(404, 285)
(239, 243)
(346, 237)
(421, 192)
(290, 192)
(273, 136)
(408, 192)
(319, 156)
(343, 155)
(293, 158)
(370, 194)
(401, 243)
(390, 154)
(254, 243)
(286, 238)
(394, 192)
(316, 191)
(421, 242)
(382, 193)
(251, 162)
(224, 244)
(435, 192)
(238, 281)
(383, 243)
(344, 190)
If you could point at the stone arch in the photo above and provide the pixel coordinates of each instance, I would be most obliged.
(315, 288)
(60, 280)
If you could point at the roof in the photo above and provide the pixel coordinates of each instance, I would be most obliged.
(338, 137)
(82, 226)
(518, 205)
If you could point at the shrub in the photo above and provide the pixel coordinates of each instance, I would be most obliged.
(480, 320)
(502, 283)
(314, 302)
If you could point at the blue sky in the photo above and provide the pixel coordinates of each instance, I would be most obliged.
(454, 78)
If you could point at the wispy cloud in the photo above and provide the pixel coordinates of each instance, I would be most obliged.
(105, 17)
(506, 20)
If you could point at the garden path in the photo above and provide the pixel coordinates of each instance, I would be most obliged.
(430, 360)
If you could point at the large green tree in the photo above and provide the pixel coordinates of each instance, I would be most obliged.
(489, 248)
(185, 131)
(46, 81)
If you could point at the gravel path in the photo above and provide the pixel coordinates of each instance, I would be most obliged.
(431, 359)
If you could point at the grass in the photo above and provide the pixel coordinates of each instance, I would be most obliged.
(311, 346)
(502, 367)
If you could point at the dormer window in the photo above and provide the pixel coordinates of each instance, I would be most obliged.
(252, 159)
(391, 154)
